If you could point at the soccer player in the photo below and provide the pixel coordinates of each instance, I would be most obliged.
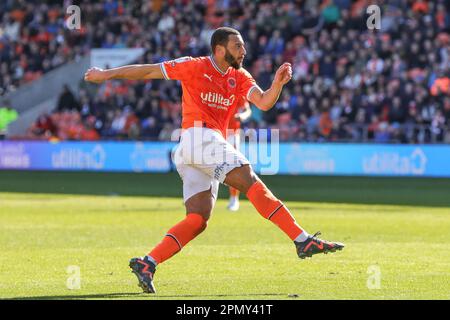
(243, 112)
(212, 87)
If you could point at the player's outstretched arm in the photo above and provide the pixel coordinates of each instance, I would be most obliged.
(130, 72)
(265, 100)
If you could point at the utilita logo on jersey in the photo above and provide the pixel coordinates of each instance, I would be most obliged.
(216, 100)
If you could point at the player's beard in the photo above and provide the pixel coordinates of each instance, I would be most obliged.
(232, 61)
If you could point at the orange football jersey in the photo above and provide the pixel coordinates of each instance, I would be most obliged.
(210, 96)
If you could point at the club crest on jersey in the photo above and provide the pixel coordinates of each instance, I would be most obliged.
(232, 82)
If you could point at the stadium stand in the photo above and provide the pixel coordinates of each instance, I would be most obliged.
(349, 83)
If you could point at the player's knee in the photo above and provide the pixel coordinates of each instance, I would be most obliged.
(249, 178)
(203, 225)
(205, 214)
(241, 178)
(203, 209)
(201, 204)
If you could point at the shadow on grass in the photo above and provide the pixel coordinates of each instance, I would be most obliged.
(359, 190)
(143, 295)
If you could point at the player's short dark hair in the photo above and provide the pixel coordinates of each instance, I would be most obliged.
(220, 36)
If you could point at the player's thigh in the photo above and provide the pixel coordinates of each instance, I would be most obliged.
(219, 157)
(199, 190)
(241, 178)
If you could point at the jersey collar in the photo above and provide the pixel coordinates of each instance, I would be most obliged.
(211, 58)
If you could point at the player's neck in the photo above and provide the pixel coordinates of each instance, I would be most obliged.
(221, 64)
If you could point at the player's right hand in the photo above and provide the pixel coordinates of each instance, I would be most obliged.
(283, 74)
(95, 75)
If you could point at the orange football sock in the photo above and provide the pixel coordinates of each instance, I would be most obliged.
(234, 192)
(178, 236)
(273, 209)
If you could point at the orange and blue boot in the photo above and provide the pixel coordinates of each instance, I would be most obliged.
(144, 269)
(314, 245)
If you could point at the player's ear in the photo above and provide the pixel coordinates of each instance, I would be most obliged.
(220, 51)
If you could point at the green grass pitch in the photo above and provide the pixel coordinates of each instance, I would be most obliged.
(396, 231)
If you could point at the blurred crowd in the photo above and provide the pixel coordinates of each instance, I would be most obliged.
(349, 83)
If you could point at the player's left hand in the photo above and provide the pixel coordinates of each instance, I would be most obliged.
(283, 74)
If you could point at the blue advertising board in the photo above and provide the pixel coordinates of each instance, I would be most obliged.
(362, 160)
(89, 156)
(283, 158)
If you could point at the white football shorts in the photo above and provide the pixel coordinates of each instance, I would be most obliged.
(203, 158)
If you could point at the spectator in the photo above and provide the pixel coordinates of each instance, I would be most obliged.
(325, 124)
(67, 101)
(330, 12)
(43, 127)
(7, 116)
(89, 133)
(441, 86)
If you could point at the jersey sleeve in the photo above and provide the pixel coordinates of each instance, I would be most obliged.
(247, 84)
(178, 69)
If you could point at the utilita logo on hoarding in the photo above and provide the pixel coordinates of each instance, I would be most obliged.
(395, 163)
(74, 158)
